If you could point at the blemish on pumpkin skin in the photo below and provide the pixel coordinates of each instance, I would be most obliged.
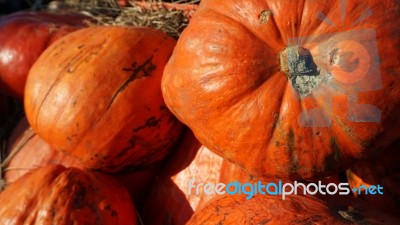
(348, 130)
(294, 166)
(309, 221)
(351, 215)
(137, 72)
(265, 16)
(79, 198)
(132, 144)
(75, 62)
(276, 121)
(73, 104)
(150, 122)
(265, 221)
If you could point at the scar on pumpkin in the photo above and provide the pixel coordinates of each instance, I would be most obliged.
(138, 72)
(264, 16)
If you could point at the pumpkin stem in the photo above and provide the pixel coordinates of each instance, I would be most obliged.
(298, 65)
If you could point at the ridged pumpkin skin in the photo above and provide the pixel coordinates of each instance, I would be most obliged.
(296, 209)
(95, 94)
(384, 170)
(26, 151)
(55, 195)
(228, 80)
(23, 37)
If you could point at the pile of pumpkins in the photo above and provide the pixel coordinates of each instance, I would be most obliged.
(119, 119)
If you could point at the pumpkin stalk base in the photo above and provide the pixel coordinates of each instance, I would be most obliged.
(298, 65)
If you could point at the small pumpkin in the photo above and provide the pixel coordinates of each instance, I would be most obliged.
(95, 95)
(57, 195)
(26, 151)
(296, 209)
(293, 95)
(383, 170)
(23, 37)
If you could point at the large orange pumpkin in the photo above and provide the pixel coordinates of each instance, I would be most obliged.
(23, 37)
(383, 170)
(295, 89)
(95, 94)
(296, 209)
(58, 195)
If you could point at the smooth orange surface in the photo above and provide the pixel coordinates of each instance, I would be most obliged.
(95, 94)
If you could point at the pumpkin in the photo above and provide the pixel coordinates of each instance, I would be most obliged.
(27, 151)
(290, 89)
(23, 37)
(383, 170)
(170, 198)
(296, 209)
(166, 202)
(138, 183)
(57, 195)
(95, 94)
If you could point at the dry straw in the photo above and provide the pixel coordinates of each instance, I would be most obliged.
(171, 18)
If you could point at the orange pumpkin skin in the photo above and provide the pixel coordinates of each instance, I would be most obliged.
(27, 151)
(23, 37)
(225, 81)
(167, 203)
(296, 209)
(170, 199)
(381, 170)
(139, 183)
(58, 195)
(95, 94)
